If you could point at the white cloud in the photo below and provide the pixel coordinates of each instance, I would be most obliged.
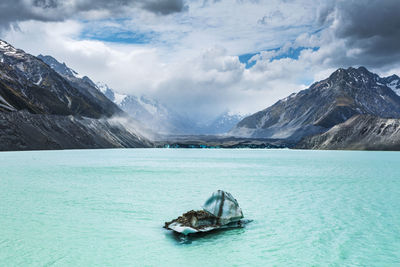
(191, 62)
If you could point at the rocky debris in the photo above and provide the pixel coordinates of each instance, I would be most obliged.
(220, 211)
(218, 141)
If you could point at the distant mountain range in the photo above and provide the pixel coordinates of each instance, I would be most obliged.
(152, 114)
(164, 120)
(36, 101)
(346, 93)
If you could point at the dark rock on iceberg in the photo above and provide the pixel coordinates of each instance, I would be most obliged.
(220, 211)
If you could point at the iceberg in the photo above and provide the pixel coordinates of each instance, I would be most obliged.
(220, 211)
(223, 206)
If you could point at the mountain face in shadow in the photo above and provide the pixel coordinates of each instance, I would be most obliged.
(36, 99)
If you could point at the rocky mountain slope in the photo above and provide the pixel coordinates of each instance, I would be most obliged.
(36, 100)
(26, 131)
(347, 92)
(361, 132)
(86, 87)
(29, 83)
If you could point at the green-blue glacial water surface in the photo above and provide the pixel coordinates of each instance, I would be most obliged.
(107, 207)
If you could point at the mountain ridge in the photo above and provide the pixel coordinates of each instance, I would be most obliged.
(43, 90)
(37, 101)
(345, 93)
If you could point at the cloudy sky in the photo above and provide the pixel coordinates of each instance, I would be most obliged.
(204, 57)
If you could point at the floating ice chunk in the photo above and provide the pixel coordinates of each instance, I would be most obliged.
(223, 206)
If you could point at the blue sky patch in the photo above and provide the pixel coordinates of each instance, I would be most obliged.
(126, 37)
(245, 59)
(292, 53)
(115, 31)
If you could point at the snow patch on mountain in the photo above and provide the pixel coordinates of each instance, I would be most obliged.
(118, 98)
(5, 104)
(39, 80)
(395, 86)
(102, 87)
(393, 82)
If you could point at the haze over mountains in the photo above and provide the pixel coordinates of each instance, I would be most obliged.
(44, 104)
(156, 116)
(164, 120)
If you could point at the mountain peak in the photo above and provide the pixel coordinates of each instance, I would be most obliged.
(355, 76)
(391, 78)
(340, 73)
(360, 71)
(345, 93)
(4, 46)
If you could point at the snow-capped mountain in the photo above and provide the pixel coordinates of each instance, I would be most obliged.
(345, 93)
(162, 119)
(148, 111)
(110, 94)
(29, 83)
(41, 109)
(221, 124)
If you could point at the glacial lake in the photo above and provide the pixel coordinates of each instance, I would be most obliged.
(107, 207)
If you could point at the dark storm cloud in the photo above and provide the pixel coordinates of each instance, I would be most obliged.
(372, 27)
(12, 11)
(164, 7)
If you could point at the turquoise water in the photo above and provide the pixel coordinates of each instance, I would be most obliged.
(107, 207)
